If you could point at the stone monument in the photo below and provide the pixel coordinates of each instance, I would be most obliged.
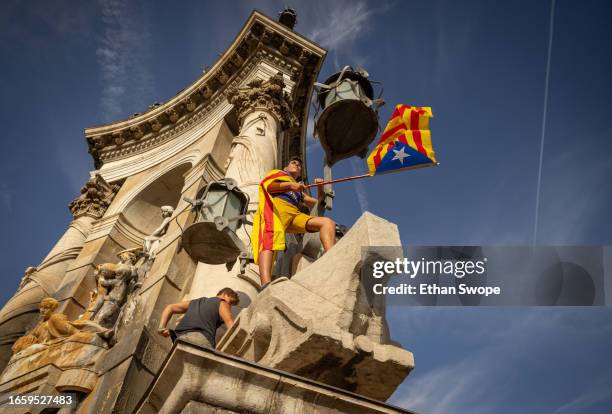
(317, 342)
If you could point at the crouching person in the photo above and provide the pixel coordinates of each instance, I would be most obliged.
(202, 317)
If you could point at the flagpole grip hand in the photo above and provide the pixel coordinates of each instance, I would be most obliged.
(320, 190)
(298, 187)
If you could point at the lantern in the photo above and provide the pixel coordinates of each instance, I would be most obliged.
(220, 211)
(348, 122)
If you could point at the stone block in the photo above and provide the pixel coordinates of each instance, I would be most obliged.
(322, 324)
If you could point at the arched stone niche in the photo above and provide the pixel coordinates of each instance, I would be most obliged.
(144, 210)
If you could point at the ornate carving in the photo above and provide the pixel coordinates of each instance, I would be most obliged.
(172, 115)
(260, 42)
(155, 124)
(237, 60)
(206, 91)
(118, 138)
(96, 196)
(72, 347)
(115, 282)
(52, 326)
(137, 131)
(222, 77)
(268, 95)
(190, 104)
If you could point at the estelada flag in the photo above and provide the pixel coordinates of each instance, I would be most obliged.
(405, 142)
(268, 232)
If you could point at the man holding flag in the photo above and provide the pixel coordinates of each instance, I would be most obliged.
(404, 144)
(280, 194)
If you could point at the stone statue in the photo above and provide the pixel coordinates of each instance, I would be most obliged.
(115, 282)
(151, 243)
(52, 326)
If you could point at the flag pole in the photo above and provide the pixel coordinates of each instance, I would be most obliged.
(354, 177)
(357, 177)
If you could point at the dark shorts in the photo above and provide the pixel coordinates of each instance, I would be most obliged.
(196, 338)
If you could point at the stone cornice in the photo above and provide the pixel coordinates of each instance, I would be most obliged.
(261, 38)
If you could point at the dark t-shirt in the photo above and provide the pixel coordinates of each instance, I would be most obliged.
(201, 316)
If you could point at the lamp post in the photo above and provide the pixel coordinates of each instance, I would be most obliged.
(348, 121)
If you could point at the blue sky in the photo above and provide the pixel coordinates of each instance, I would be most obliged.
(481, 65)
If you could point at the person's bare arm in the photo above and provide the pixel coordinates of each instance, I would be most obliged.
(225, 312)
(161, 230)
(311, 201)
(174, 308)
(280, 186)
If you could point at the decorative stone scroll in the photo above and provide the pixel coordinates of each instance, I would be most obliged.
(96, 196)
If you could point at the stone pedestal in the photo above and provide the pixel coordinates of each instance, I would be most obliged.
(66, 365)
(324, 323)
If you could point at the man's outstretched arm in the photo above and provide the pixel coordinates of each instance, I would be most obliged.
(174, 308)
(281, 186)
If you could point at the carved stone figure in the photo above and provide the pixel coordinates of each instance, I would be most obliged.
(151, 243)
(68, 349)
(115, 282)
(53, 325)
(21, 312)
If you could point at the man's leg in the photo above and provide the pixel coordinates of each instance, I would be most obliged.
(266, 259)
(326, 228)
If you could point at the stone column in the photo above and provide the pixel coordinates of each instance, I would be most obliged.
(263, 111)
(21, 311)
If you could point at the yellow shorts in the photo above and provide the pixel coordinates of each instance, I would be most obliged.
(294, 221)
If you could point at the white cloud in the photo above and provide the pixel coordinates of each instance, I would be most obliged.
(590, 397)
(337, 27)
(346, 21)
(124, 59)
(479, 381)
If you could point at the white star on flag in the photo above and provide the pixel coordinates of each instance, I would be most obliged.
(400, 155)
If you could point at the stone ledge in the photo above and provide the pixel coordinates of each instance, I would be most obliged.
(194, 376)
